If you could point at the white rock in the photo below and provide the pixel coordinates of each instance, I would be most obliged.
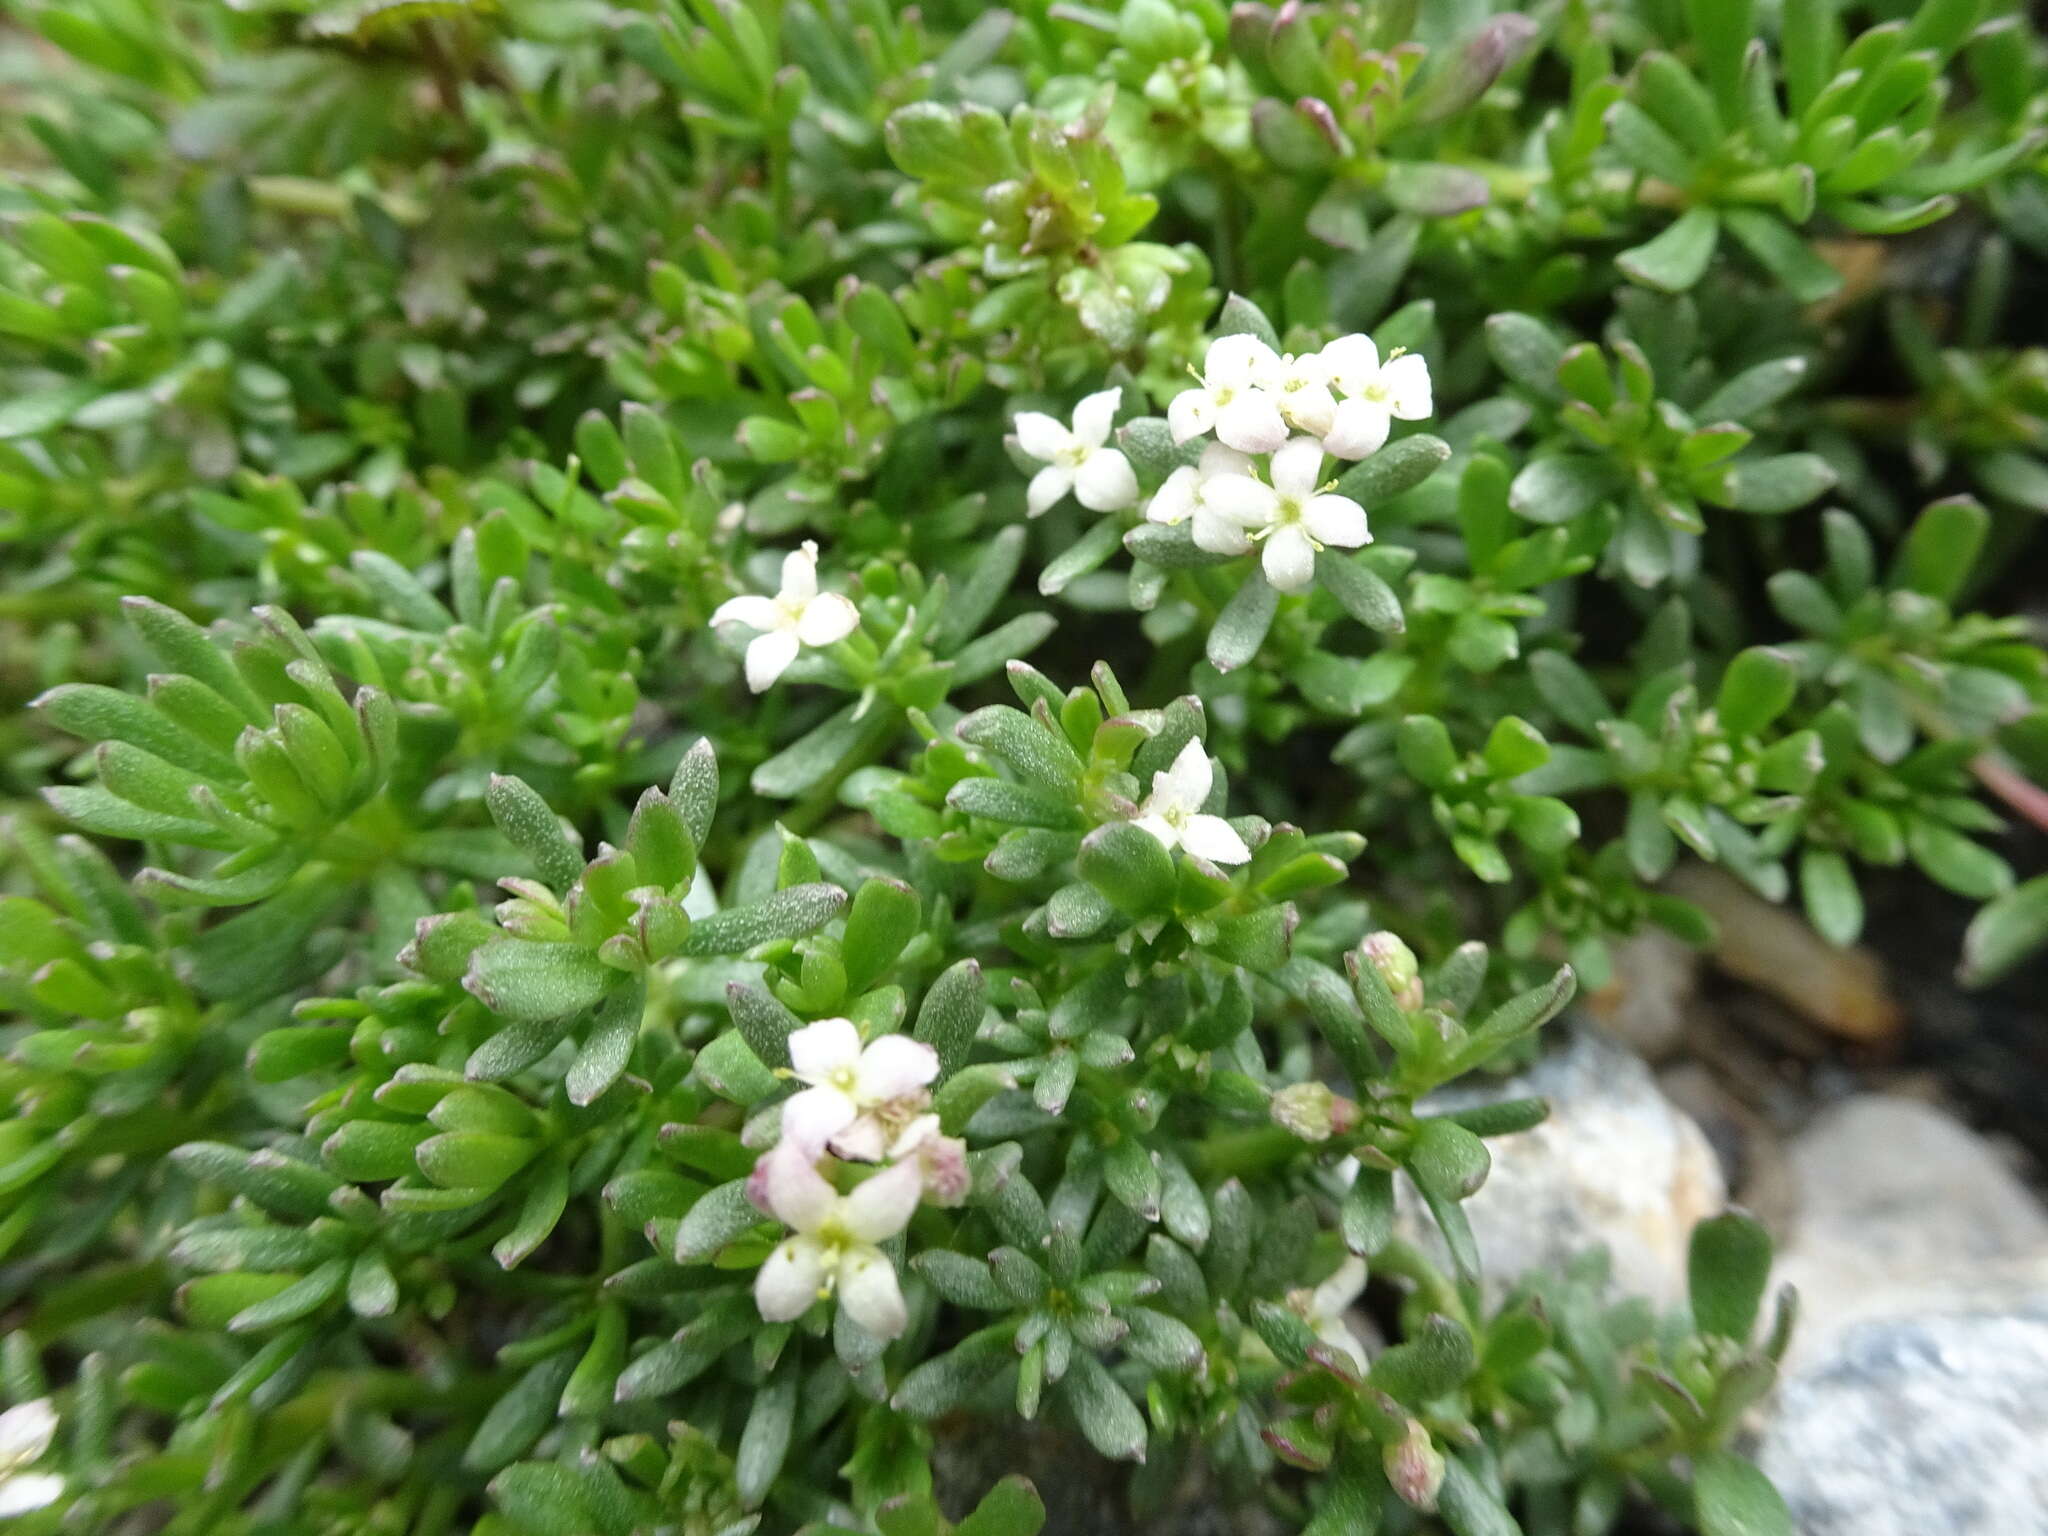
(1616, 1164)
(1901, 1211)
(1931, 1426)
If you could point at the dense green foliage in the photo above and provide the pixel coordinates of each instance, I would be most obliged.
(416, 904)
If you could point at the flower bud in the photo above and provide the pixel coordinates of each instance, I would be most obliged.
(1397, 966)
(1415, 1468)
(1312, 1112)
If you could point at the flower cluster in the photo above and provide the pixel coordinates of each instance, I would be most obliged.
(860, 1104)
(1340, 402)
(1173, 811)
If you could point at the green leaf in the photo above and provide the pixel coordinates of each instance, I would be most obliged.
(1447, 1161)
(1727, 1267)
(1732, 1498)
(883, 919)
(1130, 866)
(1433, 1360)
(1241, 317)
(1951, 859)
(1560, 487)
(1011, 1508)
(525, 980)
(1240, 629)
(1782, 253)
(787, 914)
(1400, 466)
(764, 1441)
(1758, 686)
(2005, 931)
(1107, 1416)
(951, 1013)
(1942, 548)
(1360, 592)
(1833, 903)
(1774, 485)
(1677, 258)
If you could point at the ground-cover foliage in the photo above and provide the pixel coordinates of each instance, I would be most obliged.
(766, 730)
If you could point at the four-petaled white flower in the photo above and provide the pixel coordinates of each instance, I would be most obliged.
(797, 616)
(835, 1241)
(1324, 1307)
(857, 1099)
(1294, 515)
(25, 1435)
(1232, 398)
(1173, 811)
(1375, 393)
(1185, 495)
(1078, 460)
(1300, 386)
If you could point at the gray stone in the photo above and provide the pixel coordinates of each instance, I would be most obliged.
(1615, 1165)
(1646, 1002)
(1928, 1426)
(1902, 1211)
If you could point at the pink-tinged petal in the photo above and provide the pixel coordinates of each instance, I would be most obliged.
(1358, 430)
(1095, 415)
(1352, 362)
(1189, 414)
(1046, 488)
(1252, 423)
(769, 656)
(827, 619)
(790, 1279)
(1172, 503)
(892, 1066)
(946, 1176)
(1407, 380)
(1336, 520)
(1247, 502)
(1104, 482)
(870, 1294)
(1311, 408)
(864, 1141)
(1042, 437)
(1222, 459)
(800, 574)
(26, 1431)
(1218, 534)
(820, 1049)
(762, 613)
(881, 1207)
(28, 1491)
(1237, 360)
(1297, 469)
(1289, 559)
(797, 1193)
(1161, 828)
(812, 1118)
(1186, 784)
(1214, 839)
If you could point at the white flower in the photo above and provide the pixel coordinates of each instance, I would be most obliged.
(1325, 1306)
(1291, 515)
(1300, 386)
(798, 615)
(1184, 495)
(1079, 460)
(25, 1435)
(1375, 393)
(857, 1099)
(834, 1245)
(1173, 811)
(1231, 398)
